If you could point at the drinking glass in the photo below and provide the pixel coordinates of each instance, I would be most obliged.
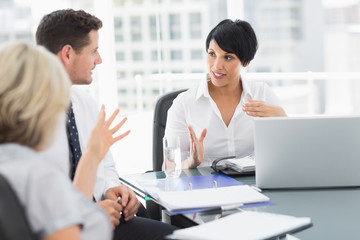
(172, 156)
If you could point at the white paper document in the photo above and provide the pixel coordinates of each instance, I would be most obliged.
(210, 197)
(246, 164)
(237, 165)
(245, 225)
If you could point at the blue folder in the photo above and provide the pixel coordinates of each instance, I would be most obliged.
(185, 183)
(193, 182)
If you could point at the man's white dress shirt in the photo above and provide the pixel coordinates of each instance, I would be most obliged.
(86, 111)
(196, 108)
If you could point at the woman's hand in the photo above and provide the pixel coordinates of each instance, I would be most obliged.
(196, 149)
(256, 108)
(101, 137)
(99, 143)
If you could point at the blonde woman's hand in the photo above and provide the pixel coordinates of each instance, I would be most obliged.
(102, 136)
(196, 148)
(257, 108)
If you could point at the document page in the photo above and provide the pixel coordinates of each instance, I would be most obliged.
(245, 225)
(239, 165)
(210, 197)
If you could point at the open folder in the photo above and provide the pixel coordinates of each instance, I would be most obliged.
(245, 225)
(210, 197)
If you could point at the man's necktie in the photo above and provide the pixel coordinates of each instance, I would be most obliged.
(73, 136)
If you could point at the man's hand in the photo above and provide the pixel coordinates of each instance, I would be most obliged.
(113, 209)
(129, 201)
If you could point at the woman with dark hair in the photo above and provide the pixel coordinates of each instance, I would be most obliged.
(221, 107)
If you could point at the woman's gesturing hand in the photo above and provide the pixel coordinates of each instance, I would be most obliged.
(257, 108)
(102, 137)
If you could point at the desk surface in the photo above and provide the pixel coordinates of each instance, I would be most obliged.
(335, 213)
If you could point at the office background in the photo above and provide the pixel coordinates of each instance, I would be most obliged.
(309, 53)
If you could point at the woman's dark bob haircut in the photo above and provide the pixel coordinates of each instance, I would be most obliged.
(236, 37)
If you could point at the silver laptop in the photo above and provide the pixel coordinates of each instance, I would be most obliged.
(307, 152)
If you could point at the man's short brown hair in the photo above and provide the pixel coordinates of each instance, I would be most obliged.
(67, 26)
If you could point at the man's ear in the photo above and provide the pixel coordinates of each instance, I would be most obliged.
(65, 54)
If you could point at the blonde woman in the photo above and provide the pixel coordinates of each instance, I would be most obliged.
(34, 95)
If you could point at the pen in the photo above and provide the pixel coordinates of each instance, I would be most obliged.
(256, 188)
(122, 218)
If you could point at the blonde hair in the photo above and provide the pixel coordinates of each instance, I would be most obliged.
(34, 92)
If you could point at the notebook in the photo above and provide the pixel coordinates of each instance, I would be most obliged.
(245, 225)
(232, 196)
(307, 152)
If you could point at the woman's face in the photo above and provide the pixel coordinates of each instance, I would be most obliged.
(224, 68)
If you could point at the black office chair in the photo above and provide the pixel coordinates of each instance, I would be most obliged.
(162, 105)
(13, 222)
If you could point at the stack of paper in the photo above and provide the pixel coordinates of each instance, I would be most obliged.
(241, 165)
(245, 225)
(237, 165)
(210, 197)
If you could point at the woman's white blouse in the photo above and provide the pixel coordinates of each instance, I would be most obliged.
(196, 108)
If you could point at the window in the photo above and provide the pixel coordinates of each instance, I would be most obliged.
(155, 91)
(118, 29)
(288, 31)
(154, 55)
(120, 56)
(120, 74)
(195, 25)
(196, 54)
(296, 33)
(176, 55)
(136, 32)
(137, 56)
(152, 28)
(174, 26)
(119, 37)
(295, 13)
(138, 72)
(122, 91)
(118, 23)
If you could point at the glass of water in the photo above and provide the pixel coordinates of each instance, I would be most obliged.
(172, 156)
